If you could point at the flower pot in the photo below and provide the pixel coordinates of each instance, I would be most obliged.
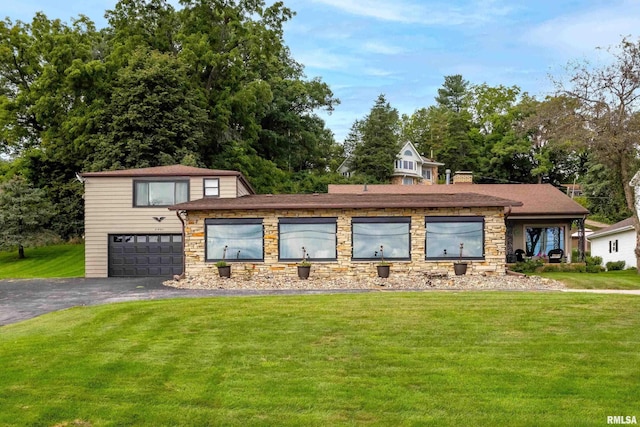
(303, 271)
(225, 271)
(460, 268)
(383, 271)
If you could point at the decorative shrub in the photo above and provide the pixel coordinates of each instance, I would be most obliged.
(570, 268)
(615, 265)
(594, 268)
(528, 266)
(593, 261)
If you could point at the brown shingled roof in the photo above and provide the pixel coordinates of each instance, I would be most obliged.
(172, 170)
(536, 199)
(346, 201)
(168, 171)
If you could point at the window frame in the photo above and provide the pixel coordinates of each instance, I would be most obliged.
(308, 220)
(134, 202)
(381, 220)
(454, 219)
(204, 187)
(235, 222)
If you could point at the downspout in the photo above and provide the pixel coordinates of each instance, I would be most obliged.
(184, 257)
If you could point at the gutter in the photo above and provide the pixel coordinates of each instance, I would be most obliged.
(184, 258)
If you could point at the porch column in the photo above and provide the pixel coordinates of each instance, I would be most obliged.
(581, 239)
(509, 240)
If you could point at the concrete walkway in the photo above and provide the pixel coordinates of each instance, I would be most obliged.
(25, 299)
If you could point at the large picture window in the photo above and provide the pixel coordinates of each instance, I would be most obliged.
(160, 193)
(540, 240)
(445, 234)
(392, 233)
(243, 239)
(316, 235)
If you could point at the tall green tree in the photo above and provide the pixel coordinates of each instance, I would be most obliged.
(374, 158)
(153, 117)
(607, 116)
(24, 211)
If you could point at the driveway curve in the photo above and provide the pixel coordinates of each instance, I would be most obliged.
(22, 299)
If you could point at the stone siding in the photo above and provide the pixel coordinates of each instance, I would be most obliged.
(196, 265)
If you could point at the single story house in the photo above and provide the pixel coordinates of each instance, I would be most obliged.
(345, 234)
(128, 229)
(540, 222)
(615, 243)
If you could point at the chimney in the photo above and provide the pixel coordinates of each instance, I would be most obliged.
(448, 175)
(463, 177)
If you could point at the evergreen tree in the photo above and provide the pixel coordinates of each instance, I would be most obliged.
(374, 158)
(24, 211)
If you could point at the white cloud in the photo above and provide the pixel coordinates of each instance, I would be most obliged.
(377, 72)
(579, 34)
(382, 48)
(323, 60)
(425, 13)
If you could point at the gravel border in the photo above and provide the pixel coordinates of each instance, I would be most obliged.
(395, 282)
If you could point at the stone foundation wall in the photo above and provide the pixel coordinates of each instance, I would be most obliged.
(493, 264)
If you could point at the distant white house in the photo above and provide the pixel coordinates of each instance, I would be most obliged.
(615, 243)
(410, 167)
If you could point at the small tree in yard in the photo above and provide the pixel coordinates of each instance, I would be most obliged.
(23, 213)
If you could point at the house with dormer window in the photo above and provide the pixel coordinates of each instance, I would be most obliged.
(410, 167)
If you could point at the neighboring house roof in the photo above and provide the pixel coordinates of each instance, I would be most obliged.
(536, 199)
(346, 201)
(168, 171)
(618, 227)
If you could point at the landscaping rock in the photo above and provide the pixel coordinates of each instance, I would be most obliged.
(395, 282)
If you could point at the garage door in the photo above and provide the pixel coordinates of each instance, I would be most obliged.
(145, 255)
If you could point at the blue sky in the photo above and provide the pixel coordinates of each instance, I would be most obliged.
(404, 48)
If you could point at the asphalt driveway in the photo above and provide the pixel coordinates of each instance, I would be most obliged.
(26, 298)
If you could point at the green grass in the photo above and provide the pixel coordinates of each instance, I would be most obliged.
(625, 279)
(442, 359)
(43, 262)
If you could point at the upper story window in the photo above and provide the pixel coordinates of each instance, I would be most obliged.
(408, 153)
(211, 187)
(408, 164)
(160, 193)
(370, 233)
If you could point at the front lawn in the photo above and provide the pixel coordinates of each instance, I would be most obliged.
(468, 358)
(43, 262)
(625, 279)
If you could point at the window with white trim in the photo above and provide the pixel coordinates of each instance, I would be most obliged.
(370, 233)
(613, 246)
(211, 187)
(231, 239)
(159, 193)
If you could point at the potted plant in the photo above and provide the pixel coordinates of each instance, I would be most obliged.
(382, 267)
(304, 266)
(460, 268)
(224, 269)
